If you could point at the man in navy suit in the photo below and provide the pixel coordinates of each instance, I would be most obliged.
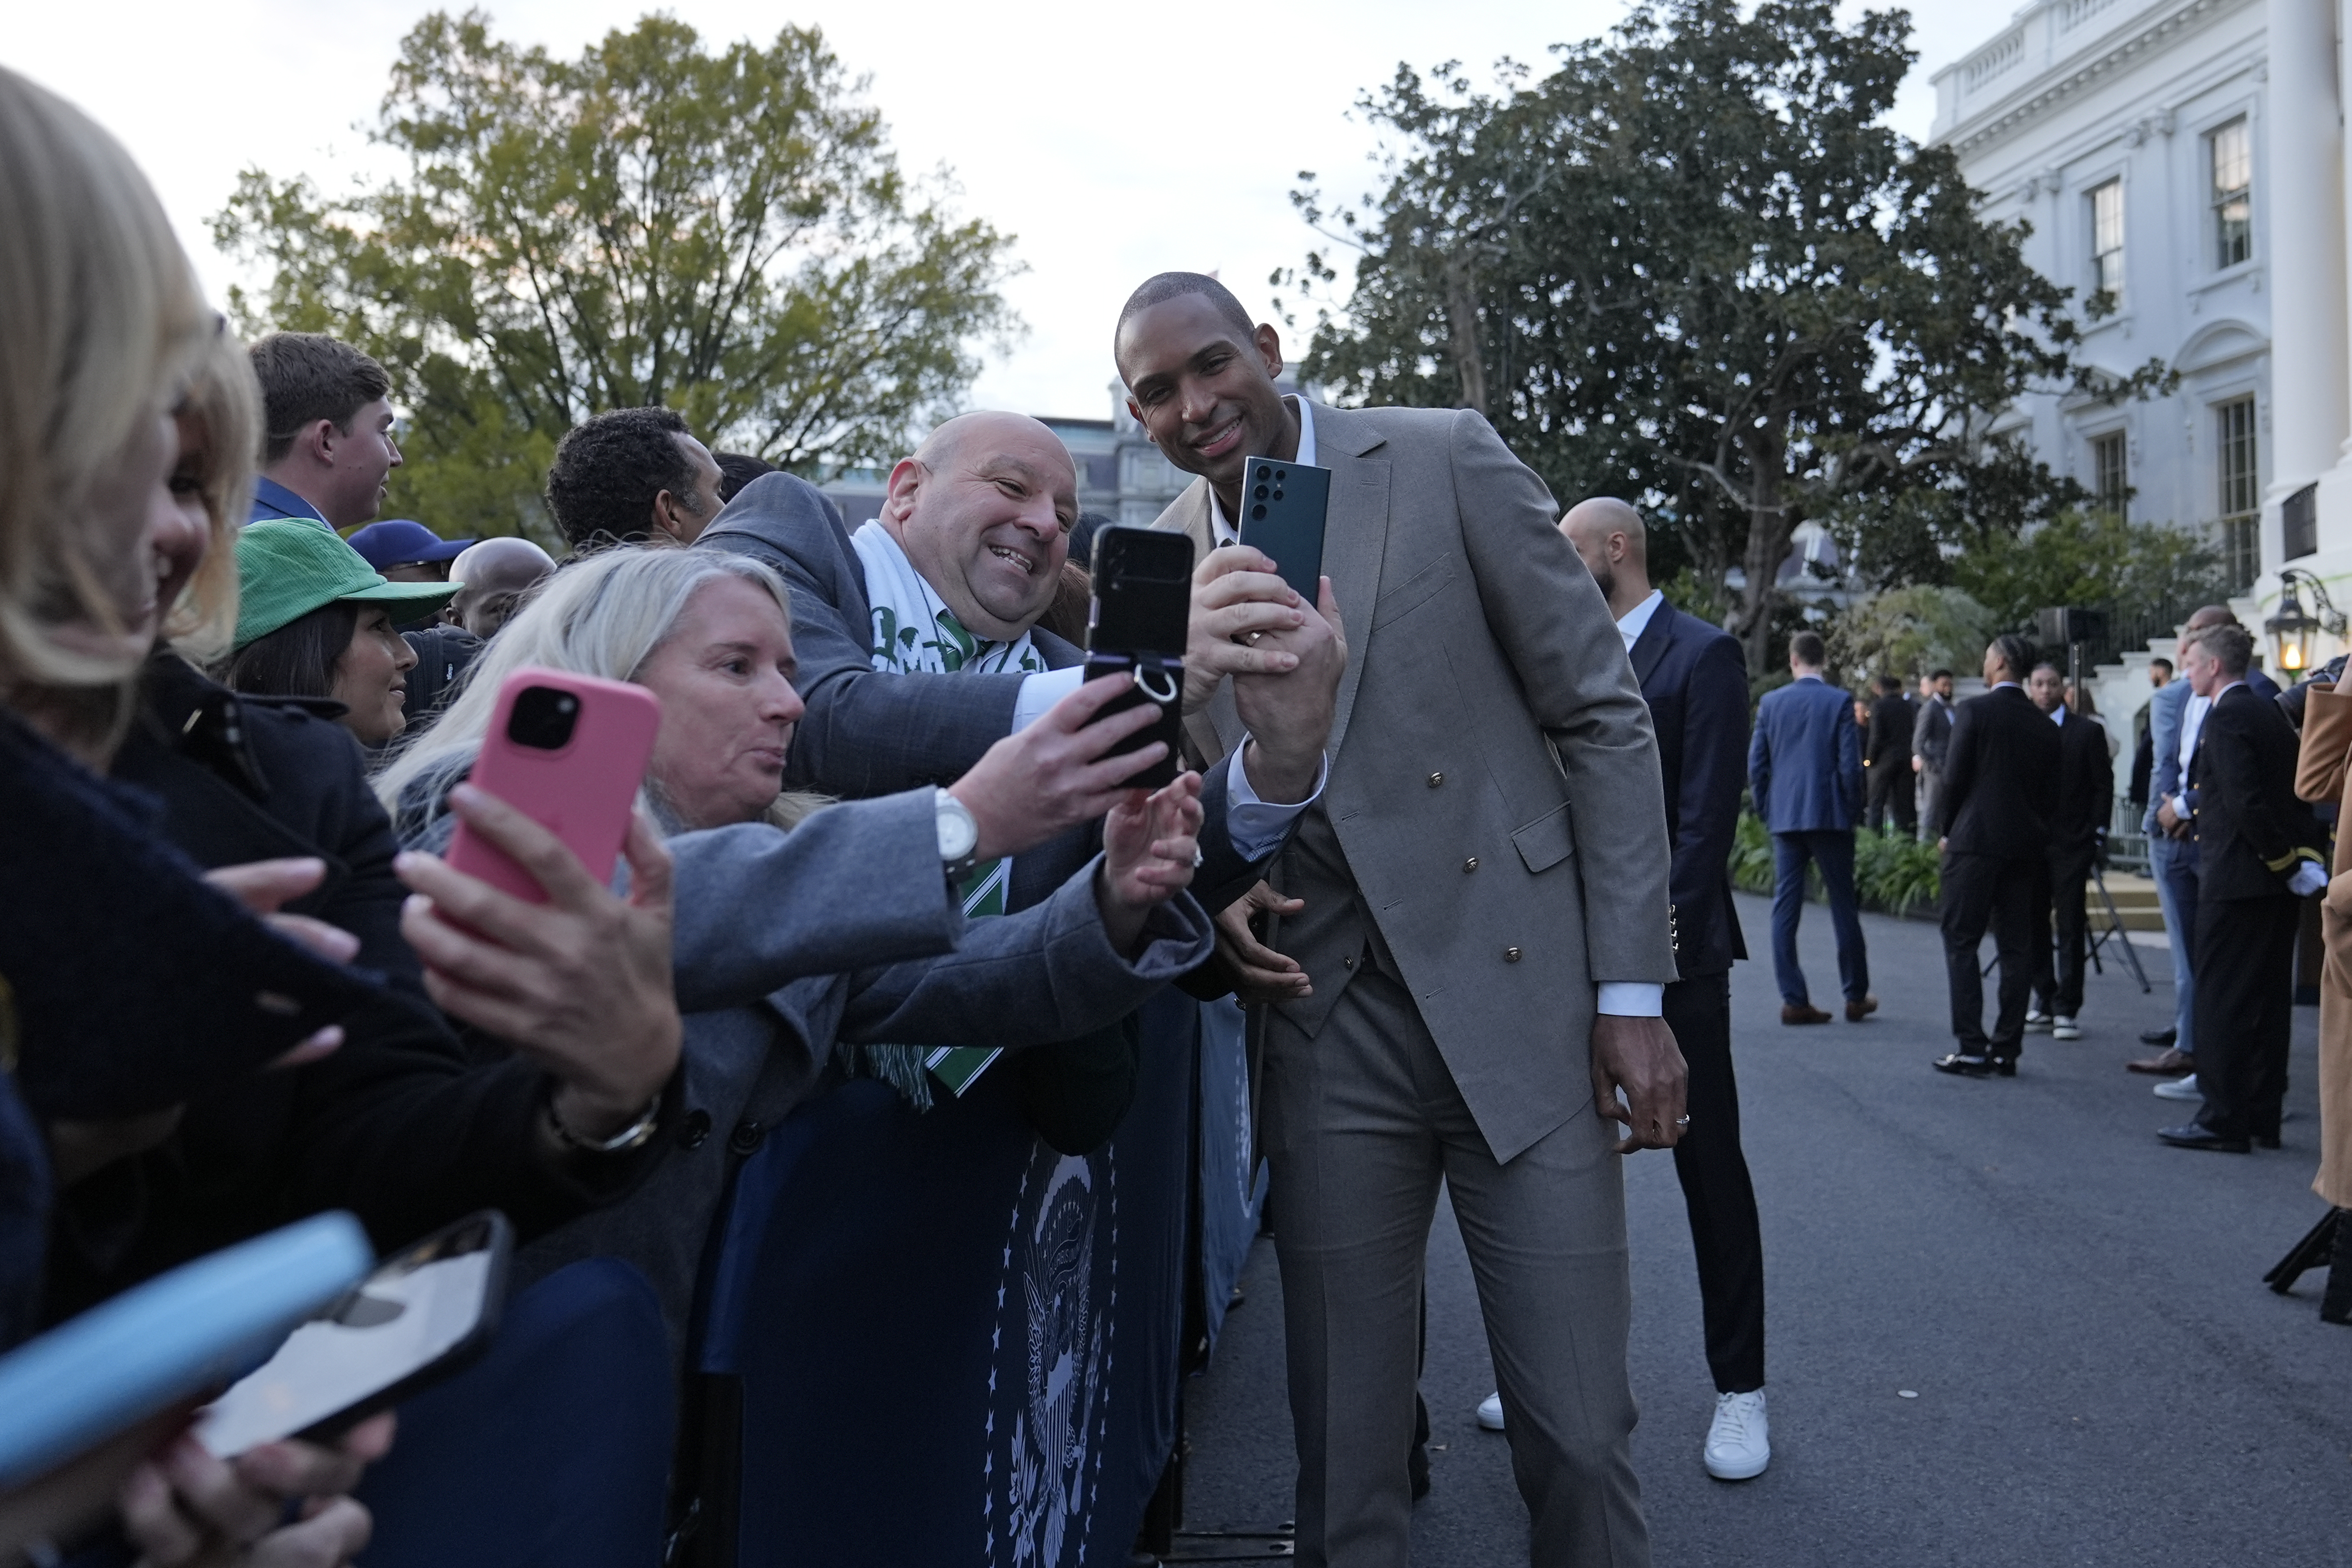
(1695, 683)
(1804, 768)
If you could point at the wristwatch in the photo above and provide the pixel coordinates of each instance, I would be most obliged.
(959, 839)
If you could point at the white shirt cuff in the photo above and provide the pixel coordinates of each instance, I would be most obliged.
(1633, 998)
(1040, 692)
(1255, 827)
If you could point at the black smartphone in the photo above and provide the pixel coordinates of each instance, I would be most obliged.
(1136, 625)
(425, 1312)
(1284, 506)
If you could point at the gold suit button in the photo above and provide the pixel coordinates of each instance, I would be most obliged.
(1510, 956)
(1436, 779)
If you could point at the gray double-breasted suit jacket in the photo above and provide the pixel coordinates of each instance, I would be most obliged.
(1493, 825)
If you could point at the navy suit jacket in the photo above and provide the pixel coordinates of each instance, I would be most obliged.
(1804, 765)
(1696, 682)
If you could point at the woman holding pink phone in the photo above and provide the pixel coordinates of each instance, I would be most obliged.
(708, 635)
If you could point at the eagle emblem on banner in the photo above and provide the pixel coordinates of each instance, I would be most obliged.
(1055, 1315)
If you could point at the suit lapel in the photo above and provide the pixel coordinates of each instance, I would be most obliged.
(1355, 538)
(1651, 645)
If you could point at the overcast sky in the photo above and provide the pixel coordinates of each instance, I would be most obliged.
(1112, 146)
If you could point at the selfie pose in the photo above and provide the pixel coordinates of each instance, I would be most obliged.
(1469, 1023)
(706, 633)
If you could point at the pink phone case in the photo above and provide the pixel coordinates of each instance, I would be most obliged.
(581, 791)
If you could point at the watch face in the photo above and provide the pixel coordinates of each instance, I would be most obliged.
(958, 831)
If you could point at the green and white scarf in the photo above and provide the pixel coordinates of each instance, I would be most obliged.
(915, 632)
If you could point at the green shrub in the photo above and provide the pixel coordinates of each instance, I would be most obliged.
(1891, 873)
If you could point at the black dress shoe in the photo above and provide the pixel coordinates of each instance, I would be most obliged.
(1967, 1066)
(2004, 1066)
(2163, 1039)
(2191, 1135)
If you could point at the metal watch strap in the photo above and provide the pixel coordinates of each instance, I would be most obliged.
(634, 1136)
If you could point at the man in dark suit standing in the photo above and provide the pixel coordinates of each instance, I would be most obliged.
(2087, 798)
(2258, 857)
(1695, 683)
(1887, 761)
(1931, 733)
(1804, 767)
(2001, 792)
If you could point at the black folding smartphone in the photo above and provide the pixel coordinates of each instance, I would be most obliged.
(1282, 510)
(425, 1312)
(1136, 626)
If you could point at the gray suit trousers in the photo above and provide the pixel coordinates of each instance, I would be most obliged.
(1362, 1121)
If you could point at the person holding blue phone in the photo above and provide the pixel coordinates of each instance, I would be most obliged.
(100, 323)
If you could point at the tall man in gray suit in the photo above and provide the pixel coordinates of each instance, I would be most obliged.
(1481, 911)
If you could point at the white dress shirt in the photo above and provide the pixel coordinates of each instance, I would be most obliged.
(1634, 998)
(1635, 621)
(1254, 825)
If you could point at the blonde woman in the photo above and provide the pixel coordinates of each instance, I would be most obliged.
(100, 324)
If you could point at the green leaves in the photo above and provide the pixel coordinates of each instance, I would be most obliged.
(1694, 266)
(724, 232)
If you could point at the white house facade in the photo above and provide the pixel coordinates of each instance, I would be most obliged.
(2135, 138)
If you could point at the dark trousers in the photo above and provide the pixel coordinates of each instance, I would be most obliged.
(1983, 892)
(2245, 997)
(1833, 850)
(2058, 978)
(1715, 1188)
(1891, 796)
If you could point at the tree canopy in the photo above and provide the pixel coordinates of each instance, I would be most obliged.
(727, 232)
(1693, 267)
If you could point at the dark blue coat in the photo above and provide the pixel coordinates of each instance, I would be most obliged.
(1696, 682)
(1804, 765)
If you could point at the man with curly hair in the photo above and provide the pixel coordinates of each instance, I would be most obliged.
(631, 475)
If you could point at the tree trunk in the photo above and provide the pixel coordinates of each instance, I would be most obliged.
(1462, 332)
(1767, 545)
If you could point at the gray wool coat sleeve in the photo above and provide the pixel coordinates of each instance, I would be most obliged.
(1046, 973)
(855, 884)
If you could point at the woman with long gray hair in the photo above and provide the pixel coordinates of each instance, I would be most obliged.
(783, 940)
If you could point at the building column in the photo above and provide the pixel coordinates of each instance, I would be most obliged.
(2305, 221)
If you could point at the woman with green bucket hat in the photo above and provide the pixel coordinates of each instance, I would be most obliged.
(314, 619)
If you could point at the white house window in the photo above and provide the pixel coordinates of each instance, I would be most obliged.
(2108, 239)
(2110, 483)
(2231, 153)
(2241, 494)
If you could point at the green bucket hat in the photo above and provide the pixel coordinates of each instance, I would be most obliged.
(285, 569)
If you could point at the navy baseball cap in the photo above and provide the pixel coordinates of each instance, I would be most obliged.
(400, 541)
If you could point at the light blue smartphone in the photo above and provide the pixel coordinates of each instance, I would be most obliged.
(175, 1337)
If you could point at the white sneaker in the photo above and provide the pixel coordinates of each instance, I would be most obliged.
(2061, 1027)
(1490, 1412)
(1740, 1442)
(2037, 1022)
(2179, 1089)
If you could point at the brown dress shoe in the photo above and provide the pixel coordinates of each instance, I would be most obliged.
(2171, 1064)
(1855, 1012)
(1802, 1013)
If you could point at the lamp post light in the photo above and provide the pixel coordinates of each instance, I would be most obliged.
(2291, 628)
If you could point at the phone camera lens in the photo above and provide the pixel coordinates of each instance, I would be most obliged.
(1262, 473)
(1280, 475)
(1257, 511)
(543, 718)
(1277, 495)
(1261, 492)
